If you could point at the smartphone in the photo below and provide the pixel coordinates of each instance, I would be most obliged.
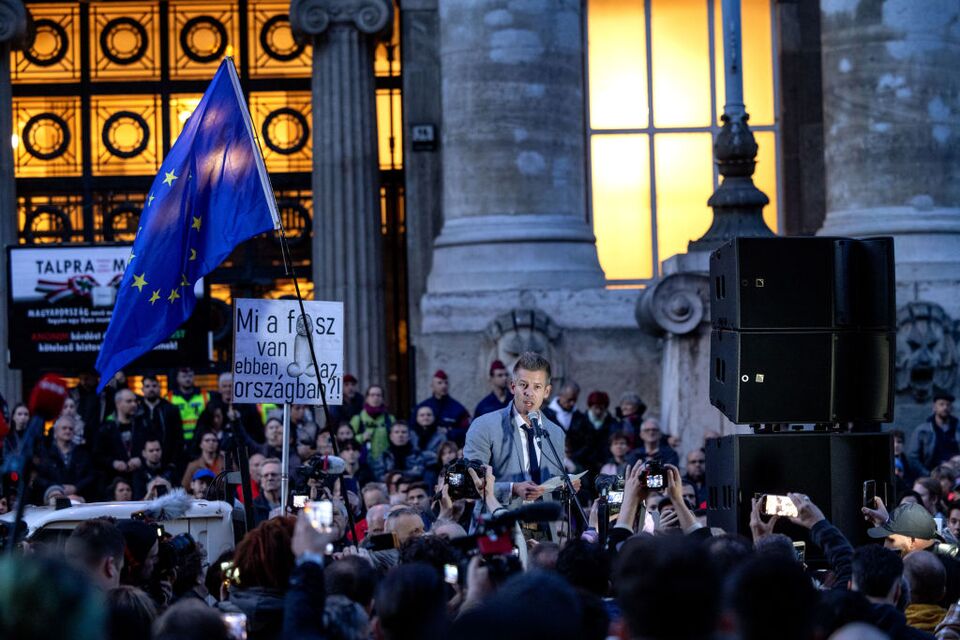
(800, 549)
(320, 515)
(451, 575)
(236, 624)
(161, 490)
(382, 541)
(63, 503)
(300, 500)
(615, 497)
(771, 505)
(870, 494)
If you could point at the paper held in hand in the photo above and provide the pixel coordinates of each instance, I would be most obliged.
(556, 482)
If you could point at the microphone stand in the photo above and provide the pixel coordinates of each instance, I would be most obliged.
(542, 434)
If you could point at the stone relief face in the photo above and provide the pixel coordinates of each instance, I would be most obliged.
(926, 357)
(521, 330)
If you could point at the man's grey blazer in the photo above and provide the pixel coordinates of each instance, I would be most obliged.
(493, 439)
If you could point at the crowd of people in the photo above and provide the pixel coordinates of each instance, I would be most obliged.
(411, 554)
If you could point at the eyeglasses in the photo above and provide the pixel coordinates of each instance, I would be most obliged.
(269, 475)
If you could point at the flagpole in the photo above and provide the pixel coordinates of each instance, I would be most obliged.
(285, 460)
(291, 271)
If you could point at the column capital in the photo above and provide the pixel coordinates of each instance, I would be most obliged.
(314, 17)
(14, 23)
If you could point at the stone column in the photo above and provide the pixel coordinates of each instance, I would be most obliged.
(347, 258)
(13, 31)
(891, 106)
(892, 127)
(514, 200)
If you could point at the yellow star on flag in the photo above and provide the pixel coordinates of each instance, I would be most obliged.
(196, 223)
(139, 281)
(183, 280)
(132, 256)
(193, 254)
(173, 295)
(169, 177)
(155, 296)
(150, 200)
(139, 229)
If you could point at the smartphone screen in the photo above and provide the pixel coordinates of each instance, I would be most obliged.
(870, 494)
(800, 549)
(615, 497)
(320, 515)
(779, 506)
(300, 500)
(451, 575)
(236, 625)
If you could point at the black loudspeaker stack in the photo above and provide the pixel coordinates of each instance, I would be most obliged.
(830, 468)
(803, 330)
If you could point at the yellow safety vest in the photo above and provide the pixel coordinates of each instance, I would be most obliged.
(265, 409)
(190, 409)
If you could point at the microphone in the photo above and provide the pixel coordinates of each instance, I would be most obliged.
(535, 423)
(332, 465)
(533, 512)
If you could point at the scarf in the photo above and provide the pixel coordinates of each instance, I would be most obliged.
(925, 617)
(374, 412)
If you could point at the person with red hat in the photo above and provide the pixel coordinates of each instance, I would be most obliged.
(448, 412)
(588, 435)
(500, 396)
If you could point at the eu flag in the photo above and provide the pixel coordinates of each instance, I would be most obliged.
(211, 194)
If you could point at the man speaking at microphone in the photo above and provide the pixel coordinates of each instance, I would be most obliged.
(507, 439)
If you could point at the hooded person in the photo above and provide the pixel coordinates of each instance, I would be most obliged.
(140, 553)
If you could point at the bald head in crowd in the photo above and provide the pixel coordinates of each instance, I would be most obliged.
(926, 576)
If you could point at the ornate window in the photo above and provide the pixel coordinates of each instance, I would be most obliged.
(655, 70)
(105, 88)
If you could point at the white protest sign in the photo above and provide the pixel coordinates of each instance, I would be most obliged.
(271, 352)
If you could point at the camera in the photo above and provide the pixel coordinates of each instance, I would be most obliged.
(611, 488)
(461, 486)
(323, 469)
(653, 476)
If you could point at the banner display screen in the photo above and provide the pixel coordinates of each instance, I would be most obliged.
(61, 300)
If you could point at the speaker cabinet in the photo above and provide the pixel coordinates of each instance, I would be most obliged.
(803, 283)
(803, 376)
(830, 468)
(803, 330)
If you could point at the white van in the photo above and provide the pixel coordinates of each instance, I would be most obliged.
(209, 522)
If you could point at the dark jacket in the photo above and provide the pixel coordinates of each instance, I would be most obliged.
(589, 445)
(110, 446)
(79, 472)
(414, 466)
(264, 610)
(164, 420)
(922, 444)
(891, 621)
(304, 603)
(666, 454)
(837, 549)
(491, 403)
(449, 413)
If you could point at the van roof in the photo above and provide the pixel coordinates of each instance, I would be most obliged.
(40, 517)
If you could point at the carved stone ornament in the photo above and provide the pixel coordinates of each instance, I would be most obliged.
(313, 17)
(675, 304)
(14, 23)
(521, 330)
(926, 358)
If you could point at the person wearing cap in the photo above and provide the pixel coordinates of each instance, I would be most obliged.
(909, 528)
(448, 412)
(189, 400)
(199, 483)
(589, 432)
(937, 439)
(499, 396)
